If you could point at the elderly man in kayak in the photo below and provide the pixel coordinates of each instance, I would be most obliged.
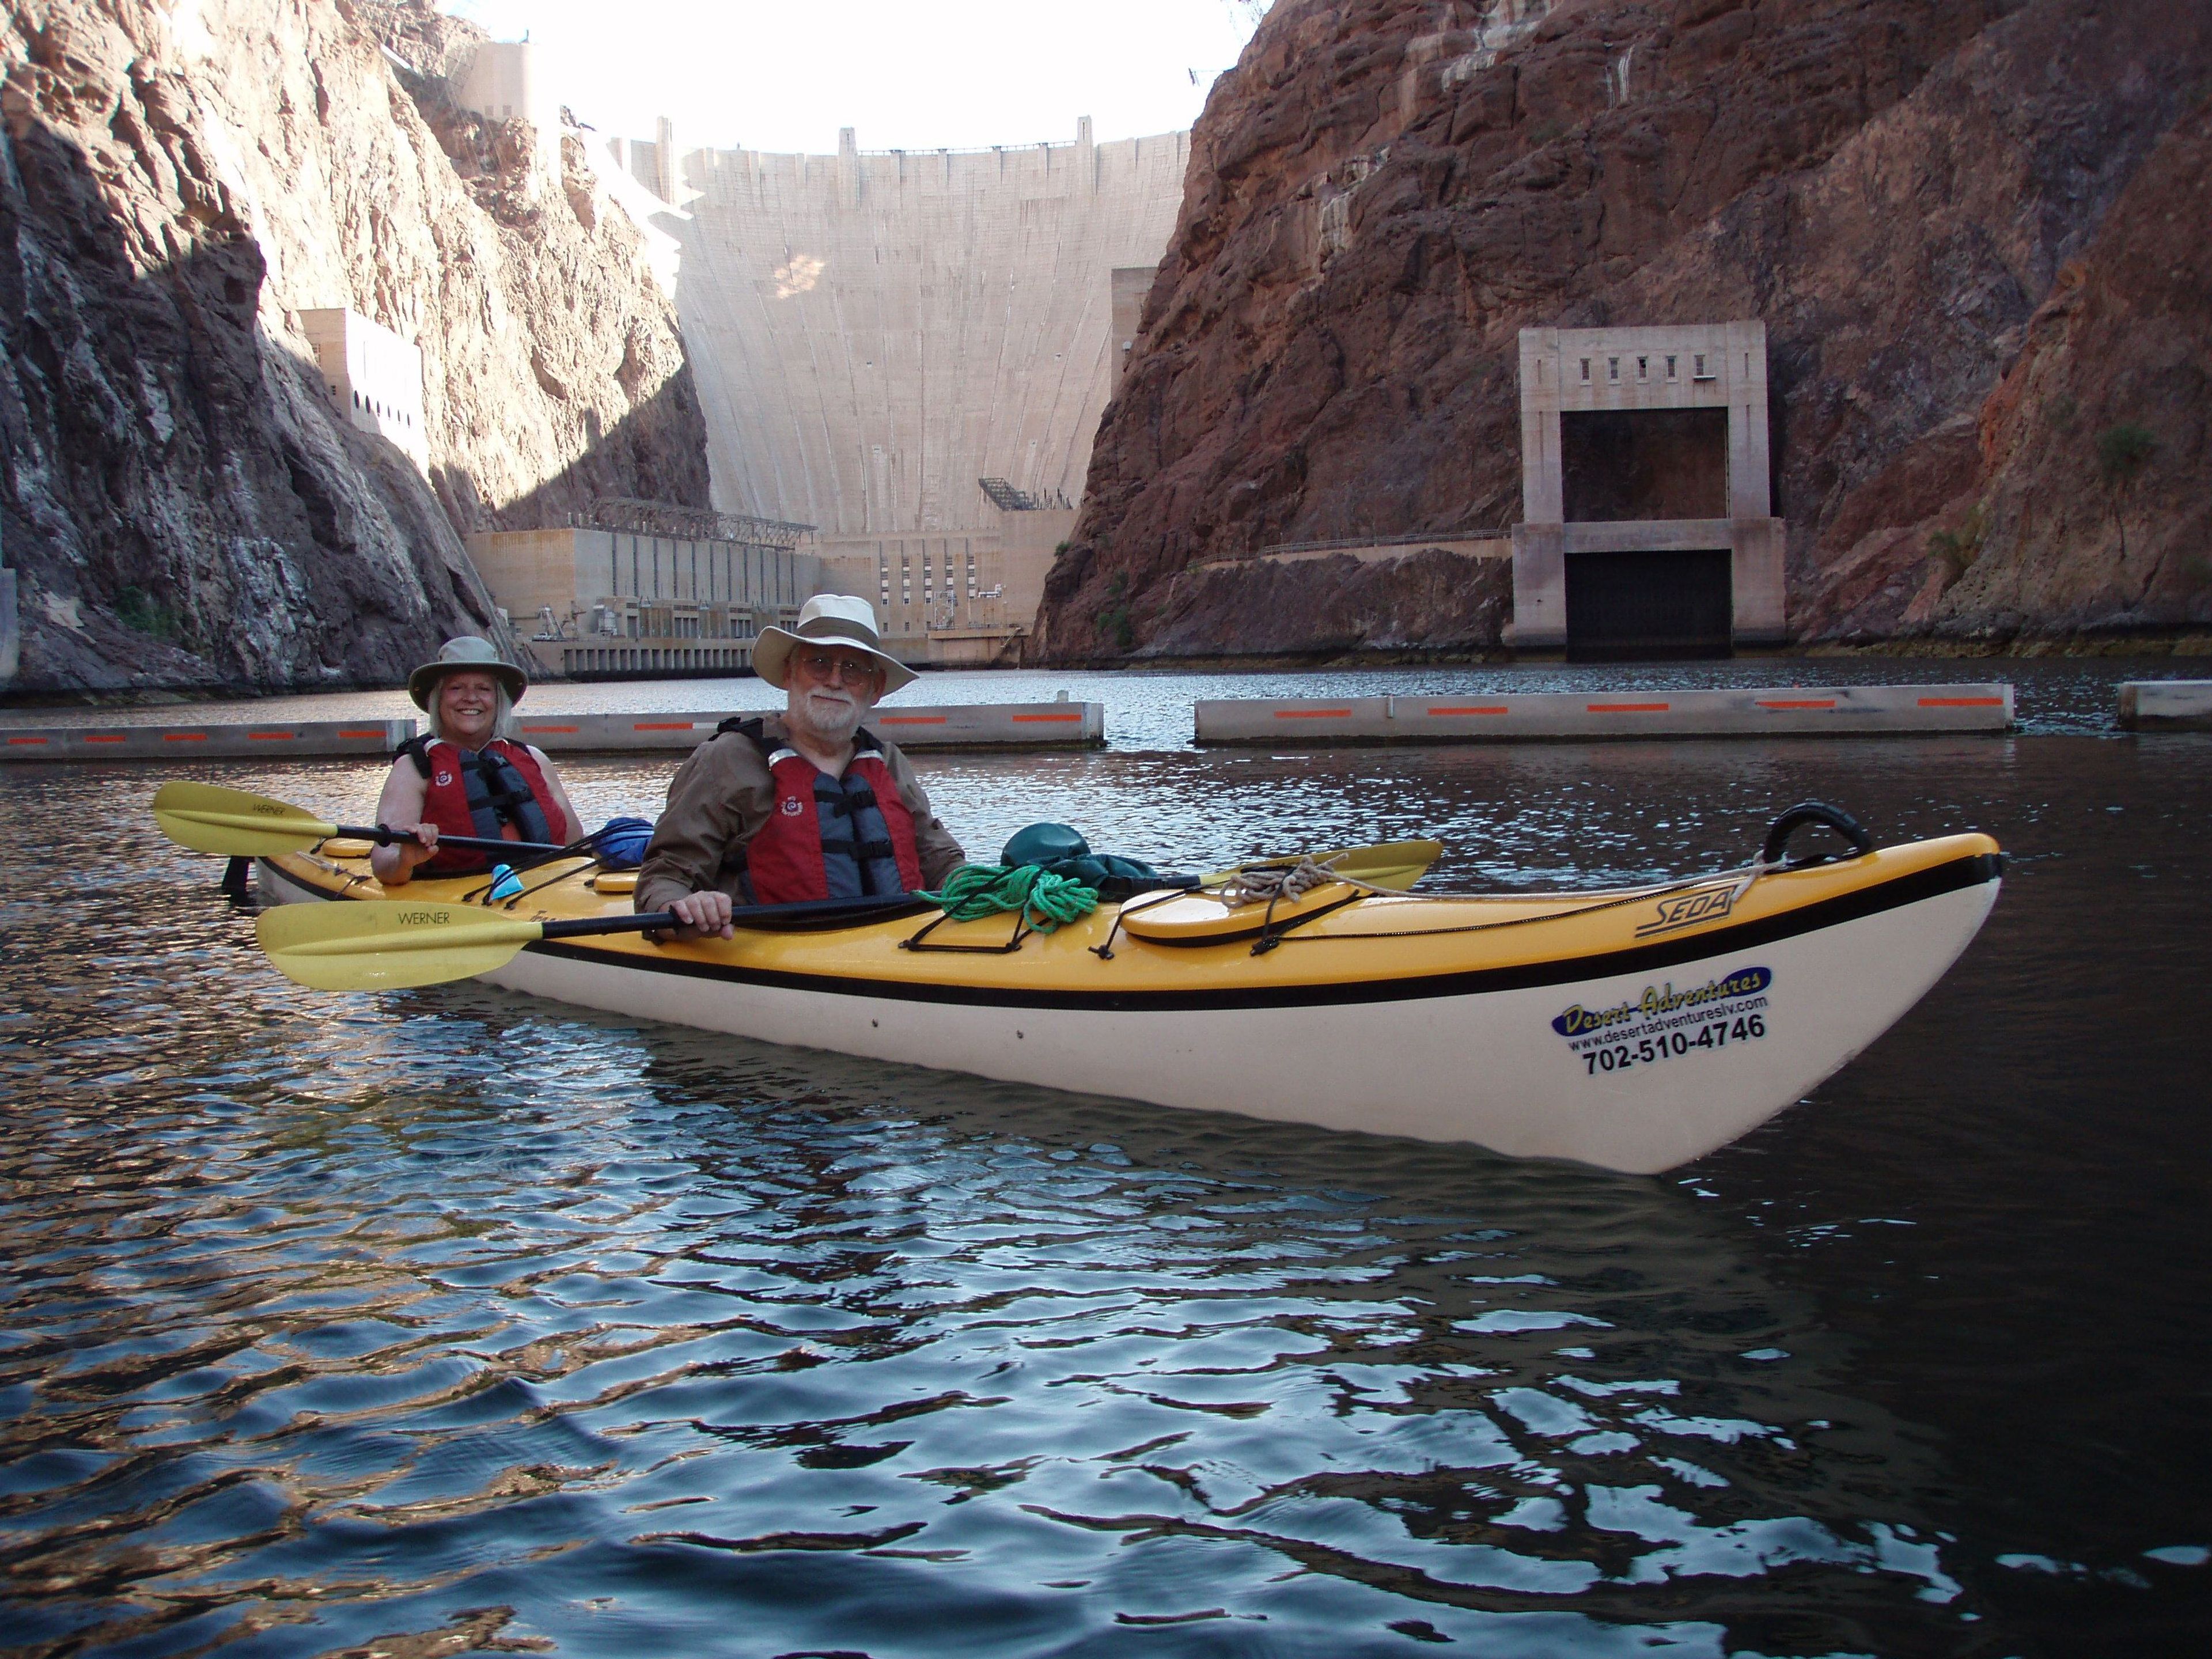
(809, 806)
(469, 774)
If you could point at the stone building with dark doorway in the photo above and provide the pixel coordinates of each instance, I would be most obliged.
(1644, 494)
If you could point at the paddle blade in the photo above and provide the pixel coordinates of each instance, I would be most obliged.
(1397, 864)
(232, 823)
(382, 944)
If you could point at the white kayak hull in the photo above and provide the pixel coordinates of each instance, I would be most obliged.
(1660, 1083)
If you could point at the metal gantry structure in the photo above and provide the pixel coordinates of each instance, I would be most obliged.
(633, 516)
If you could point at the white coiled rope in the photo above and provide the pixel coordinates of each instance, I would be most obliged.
(1286, 882)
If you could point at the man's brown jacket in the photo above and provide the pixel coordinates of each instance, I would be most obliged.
(718, 801)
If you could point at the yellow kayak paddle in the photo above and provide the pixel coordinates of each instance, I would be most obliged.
(386, 944)
(240, 825)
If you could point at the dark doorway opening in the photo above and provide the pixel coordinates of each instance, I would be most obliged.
(1623, 607)
(1617, 465)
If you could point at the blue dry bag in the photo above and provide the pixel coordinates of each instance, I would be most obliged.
(621, 842)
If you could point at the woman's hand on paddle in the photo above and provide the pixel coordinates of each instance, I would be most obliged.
(396, 862)
(706, 915)
(421, 849)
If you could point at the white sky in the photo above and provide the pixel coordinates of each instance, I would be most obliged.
(907, 73)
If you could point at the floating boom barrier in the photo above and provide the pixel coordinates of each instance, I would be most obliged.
(1526, 716)
(979, 726)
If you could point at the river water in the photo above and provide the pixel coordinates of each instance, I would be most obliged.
(428, 1322)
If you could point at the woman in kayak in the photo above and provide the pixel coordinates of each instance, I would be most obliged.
(469, 774)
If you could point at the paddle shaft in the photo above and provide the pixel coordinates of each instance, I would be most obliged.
(657, 920)
(384, 837)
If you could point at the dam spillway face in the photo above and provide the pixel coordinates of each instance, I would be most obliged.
(874, 332)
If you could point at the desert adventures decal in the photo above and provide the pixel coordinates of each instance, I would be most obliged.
(1664, 1024)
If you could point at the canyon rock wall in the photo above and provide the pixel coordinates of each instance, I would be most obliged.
(2077, 499)
(1968, 229)
(1419, 603)
(184, 505)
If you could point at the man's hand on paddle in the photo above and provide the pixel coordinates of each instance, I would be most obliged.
(706, 915)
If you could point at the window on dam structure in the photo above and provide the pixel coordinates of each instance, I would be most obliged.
(1618, 464)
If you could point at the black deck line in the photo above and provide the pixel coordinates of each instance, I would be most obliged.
(1971, 871)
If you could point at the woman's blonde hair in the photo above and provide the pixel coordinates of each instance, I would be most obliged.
(502, 722)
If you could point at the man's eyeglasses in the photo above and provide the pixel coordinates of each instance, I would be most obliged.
(825, 666)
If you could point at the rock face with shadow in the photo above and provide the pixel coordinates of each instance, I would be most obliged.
(2077, 497)
(1968, 229)
(1415, 603)
(185, 505)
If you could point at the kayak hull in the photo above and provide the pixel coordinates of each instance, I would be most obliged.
(1602, 1036)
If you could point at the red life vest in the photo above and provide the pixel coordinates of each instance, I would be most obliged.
(842, 837)
(495, 791)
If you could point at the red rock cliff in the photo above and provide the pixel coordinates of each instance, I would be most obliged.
(1969, 228)
(183, 504)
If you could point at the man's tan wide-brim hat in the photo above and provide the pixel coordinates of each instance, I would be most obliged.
(470, 654)
(827, 619)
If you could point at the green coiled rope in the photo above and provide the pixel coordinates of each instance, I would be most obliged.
(1045, 901)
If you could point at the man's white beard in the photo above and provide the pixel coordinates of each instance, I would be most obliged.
(830, 716)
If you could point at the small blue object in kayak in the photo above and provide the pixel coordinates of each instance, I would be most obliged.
(621, 842)
(505, 884)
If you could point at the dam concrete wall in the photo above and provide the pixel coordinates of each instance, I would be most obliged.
(872, 332)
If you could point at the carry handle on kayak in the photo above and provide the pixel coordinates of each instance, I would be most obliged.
(1777, 845)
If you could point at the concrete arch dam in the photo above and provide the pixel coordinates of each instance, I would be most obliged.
(873, 333)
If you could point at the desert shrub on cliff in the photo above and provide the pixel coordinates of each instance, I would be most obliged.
(2123, 451)
(1958, 548)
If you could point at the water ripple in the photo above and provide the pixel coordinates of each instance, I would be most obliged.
(326, 1324)
(440, 1320)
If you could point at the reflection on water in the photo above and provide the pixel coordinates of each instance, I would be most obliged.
(429, 1321)
(326, 1343)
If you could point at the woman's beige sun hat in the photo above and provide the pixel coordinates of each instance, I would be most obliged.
(467, 653)
(828, 619)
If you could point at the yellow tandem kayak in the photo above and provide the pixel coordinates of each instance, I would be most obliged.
(1633, 1029)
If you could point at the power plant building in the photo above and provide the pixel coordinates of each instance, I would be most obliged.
(649, 588)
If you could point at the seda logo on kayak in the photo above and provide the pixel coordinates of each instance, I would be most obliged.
(1658, 1002)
